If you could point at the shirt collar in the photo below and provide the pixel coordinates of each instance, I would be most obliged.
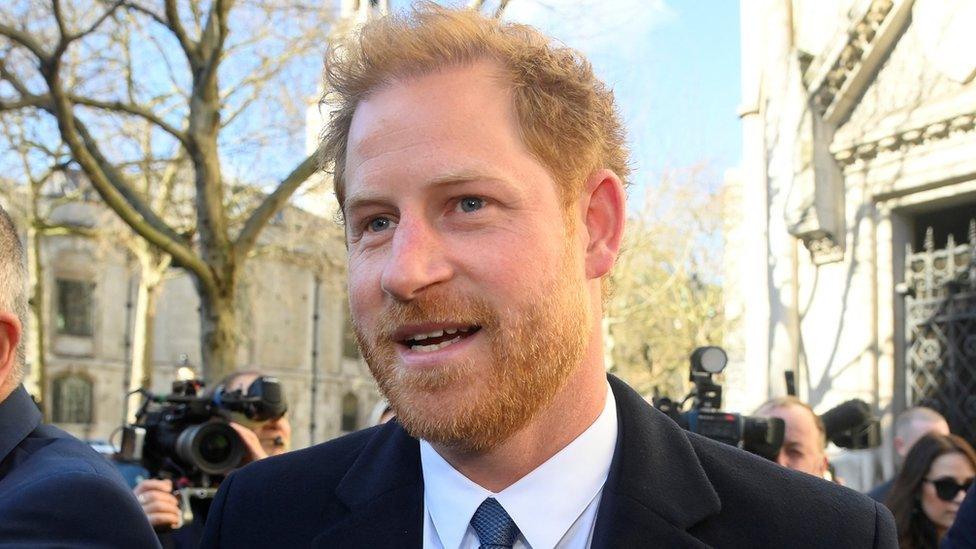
(544, 503)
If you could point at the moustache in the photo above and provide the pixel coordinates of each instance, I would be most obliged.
(433, 307)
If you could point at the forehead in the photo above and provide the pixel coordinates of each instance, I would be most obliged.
(799, 421)
(922, 426)
(426, 123)
(953, 464)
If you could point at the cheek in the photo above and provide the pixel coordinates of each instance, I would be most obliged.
(931, 505)
(362, 286)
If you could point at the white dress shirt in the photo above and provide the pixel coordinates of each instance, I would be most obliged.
(554, 506)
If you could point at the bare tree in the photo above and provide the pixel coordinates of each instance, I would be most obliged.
(666, 284)
(178, 69)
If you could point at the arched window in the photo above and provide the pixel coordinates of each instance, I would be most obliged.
(72, 399)
(75, 307)
(350, 412)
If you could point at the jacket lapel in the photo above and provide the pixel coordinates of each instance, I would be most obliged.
(383, 491)
(655, 491)
(656, 488)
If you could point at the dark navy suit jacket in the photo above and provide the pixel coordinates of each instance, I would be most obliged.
(962, 535)
(55, 491)
(666, 488)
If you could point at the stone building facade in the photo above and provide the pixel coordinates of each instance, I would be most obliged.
(859, 150)
(293, 325)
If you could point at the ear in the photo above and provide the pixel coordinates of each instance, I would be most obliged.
(604, 211)
(899, 445)
(10, 330)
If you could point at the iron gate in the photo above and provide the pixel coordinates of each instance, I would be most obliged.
(940, 322)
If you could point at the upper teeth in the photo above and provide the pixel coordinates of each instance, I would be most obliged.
(438, 333)
(421, 337)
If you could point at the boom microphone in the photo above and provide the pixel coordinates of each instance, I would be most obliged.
(851, 425)
(845, 417)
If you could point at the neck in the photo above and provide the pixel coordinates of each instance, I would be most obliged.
(573, 410)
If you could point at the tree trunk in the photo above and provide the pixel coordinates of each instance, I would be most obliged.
(218, 324)
(140, 375)
(36, 277)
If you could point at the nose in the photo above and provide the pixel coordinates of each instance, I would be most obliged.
(417, 260)
(960, 495)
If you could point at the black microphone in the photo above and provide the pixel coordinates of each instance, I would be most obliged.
(844, 417)
(851, 425)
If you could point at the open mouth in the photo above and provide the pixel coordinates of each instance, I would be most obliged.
(437, 339)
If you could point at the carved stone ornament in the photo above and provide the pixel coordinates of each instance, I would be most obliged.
(860, 38)
(823, 248)
(904, 140)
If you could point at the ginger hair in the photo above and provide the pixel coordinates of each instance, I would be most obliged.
(567, 117)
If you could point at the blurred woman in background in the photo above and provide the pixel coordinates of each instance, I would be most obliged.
(928, 490)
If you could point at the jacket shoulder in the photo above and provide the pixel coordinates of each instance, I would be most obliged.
(757, 494)
(50, 451)
(57, 486)
(288, 499)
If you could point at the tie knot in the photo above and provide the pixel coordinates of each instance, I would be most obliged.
(494, 527)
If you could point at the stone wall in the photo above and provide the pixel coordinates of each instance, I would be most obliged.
(852, 123)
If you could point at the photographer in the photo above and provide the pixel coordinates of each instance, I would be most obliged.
(805, 439)
(261, 439)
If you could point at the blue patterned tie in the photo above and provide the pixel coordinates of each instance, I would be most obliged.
(494, 527)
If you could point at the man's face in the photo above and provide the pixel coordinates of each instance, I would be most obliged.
(274, 435)
(802, 448)
(466, 277)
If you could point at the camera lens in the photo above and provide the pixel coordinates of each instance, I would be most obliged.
(213, 447)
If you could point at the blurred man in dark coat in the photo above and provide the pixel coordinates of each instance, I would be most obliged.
(54, 489)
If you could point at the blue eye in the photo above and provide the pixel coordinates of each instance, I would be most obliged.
(471, 204)
(378, 224)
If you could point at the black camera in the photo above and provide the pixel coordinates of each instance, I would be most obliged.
(186, 436)
(759, 435)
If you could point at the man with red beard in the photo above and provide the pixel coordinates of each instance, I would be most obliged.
(480, 169)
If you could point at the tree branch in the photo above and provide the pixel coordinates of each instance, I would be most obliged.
(64, 229)
(5, 74)
(105, 168)
(135, 110)
(212, 41)
(275, 201)
(29, 102)
(174, 24)
(25, 40)
(91, 28)
(62, 29)
(44, 101)
(116, 194)
(151, 14)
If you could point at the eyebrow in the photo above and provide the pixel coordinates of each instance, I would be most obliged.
(450, 179)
